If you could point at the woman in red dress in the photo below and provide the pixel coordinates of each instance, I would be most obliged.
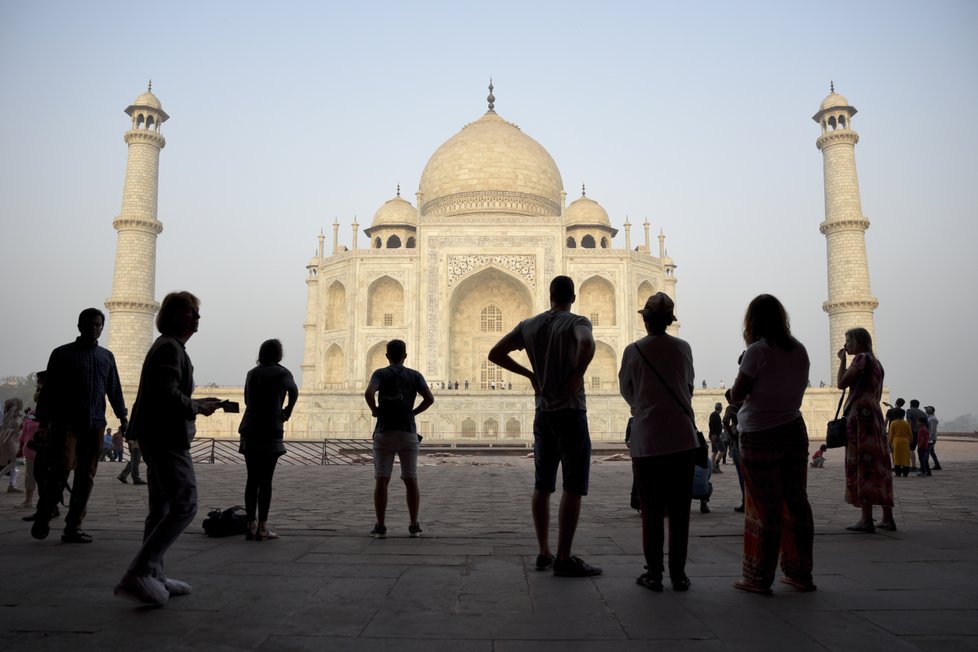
(869, 476)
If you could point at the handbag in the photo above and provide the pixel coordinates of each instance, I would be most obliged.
(836, 434)
(702, 456)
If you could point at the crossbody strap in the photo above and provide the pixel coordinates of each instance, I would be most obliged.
(839, 408)
(665, 384)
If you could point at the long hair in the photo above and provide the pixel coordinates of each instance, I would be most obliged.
(170, 319)
(766, 319)
(270, 352)
(862, 338)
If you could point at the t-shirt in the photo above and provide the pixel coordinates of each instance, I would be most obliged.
(932, 427)
(661, 423)
(780, 379)
(398, 390)
(915, 415)
(550, 344)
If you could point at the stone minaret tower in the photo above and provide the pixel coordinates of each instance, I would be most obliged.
(133, 304)
(850, 303)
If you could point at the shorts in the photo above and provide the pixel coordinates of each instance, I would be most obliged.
(561, 438)
(395, 442)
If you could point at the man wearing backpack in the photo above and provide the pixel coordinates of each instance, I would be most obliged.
(397, 388)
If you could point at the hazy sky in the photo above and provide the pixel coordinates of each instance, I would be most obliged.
(286, 116)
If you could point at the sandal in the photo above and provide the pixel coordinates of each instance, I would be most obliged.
(264, 534)
(868, 528)
(804, 587)
(744, 585)
(649, 582)
(889, 526)
(251, 531)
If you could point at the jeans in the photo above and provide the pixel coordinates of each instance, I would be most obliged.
(933, 455)
(132, 466)
(923, 454)
(172, 507)
(69, 450)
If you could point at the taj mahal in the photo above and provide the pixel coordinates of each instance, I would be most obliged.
(490, 225)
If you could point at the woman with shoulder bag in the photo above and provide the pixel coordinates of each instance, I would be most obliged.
(869, 479)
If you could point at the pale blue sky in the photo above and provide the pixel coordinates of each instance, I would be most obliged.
(286, 116)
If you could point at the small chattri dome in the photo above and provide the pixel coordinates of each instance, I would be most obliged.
(586, 211)
(395, 211)
(832, 101)
(148, 99)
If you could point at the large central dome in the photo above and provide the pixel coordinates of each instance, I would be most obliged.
(491, 167)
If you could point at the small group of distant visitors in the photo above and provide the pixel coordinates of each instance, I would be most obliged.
(912, 430)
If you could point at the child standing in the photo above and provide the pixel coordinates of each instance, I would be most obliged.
(923, 448)
(899, 436)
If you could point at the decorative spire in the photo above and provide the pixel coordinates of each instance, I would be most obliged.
(398, 188)
(831, 86)
(149, 87)
(583, 191)
(491, 98)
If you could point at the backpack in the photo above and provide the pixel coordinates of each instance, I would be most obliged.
(226, 523)
(393, 409)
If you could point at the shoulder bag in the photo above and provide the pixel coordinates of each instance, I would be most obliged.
(836, 435)
(702, 452)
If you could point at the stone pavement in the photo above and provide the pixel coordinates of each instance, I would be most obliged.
(469, 583)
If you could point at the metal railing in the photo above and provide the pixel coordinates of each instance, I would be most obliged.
(298, 453)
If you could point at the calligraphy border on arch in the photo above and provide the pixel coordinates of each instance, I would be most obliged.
(435, 244)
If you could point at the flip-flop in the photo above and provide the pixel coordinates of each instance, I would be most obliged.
(798, 584)
(752, 588)
(856, 527)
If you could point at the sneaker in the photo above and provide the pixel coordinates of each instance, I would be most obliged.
(574, 567)
(379, 531)
(936, 468)
(142, 588)
(681, 585)
(14, 490)
(415, 530)
(137, 481)
(740, 509)
(76, 536)
(176, 587)
(41, 527)
(544, 562)
(649, 582)
(717, 469)
(704, 508)
(121, 479)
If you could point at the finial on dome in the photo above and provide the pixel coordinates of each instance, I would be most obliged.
(398, 189)
(491, 98)
(149, 87)
(583, 191)
(831, 86)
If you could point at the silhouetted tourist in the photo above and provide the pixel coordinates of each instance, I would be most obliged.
(932, 423)
(71, 414)
(898, 438)
(391, 395)
(132, 466)
(818, 457)
(914, 416)
(716, 429)
(923, 448)
(10, 428)
(118, 443)
(560, 346)
(106, 455)
(262, 430)
(27, 432)
(869, 479)
(656, 380)
(771, 384)
(163, 422)
(733, 442)
(895, 412)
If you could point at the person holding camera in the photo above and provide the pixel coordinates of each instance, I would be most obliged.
(163, 422)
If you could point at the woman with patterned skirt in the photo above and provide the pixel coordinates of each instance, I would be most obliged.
(869, 479)
(773, 451)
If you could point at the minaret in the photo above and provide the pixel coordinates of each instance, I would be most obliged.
(133, 305)
(850, 303)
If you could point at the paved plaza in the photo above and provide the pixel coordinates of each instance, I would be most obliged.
(469, 583)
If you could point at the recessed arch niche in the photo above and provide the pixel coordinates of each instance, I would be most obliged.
(385, 297)
(596, 301)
